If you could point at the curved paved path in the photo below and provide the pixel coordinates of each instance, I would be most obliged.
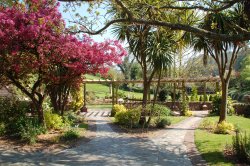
(112, 148)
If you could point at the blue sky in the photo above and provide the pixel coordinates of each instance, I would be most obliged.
(83, 12)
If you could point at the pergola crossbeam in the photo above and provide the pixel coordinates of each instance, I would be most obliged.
(164, 80)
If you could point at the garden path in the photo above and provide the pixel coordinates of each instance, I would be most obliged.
(165, 147)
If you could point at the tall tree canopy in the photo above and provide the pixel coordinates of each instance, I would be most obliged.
(158, 8)
(35, 46)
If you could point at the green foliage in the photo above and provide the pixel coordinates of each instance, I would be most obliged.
(207, 125)
(14, 122)
(224, 128)
(185, 108)
(77, 98)
(194, 95)
(206, 97)
(212, 146)
(162, 95)
(30, 130)
(136, 71)
(217, 105)
(188, 113)
(211, 98)
(163, 122)
(90, 96)
(159, 110)
(12, 115)
(53, 121)
(201, 98)
(69, 135)
(128, 118)
(177, 96)
(240, 86)
(121, 94)
(2, 129)
(245, 73)
(117, 108)
(72, 117)
(241, 147)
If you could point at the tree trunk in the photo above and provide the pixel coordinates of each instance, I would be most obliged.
(145, 93)
(38, 105)
(144, 99)
(40, 115)
(223, 110)
(155, 97)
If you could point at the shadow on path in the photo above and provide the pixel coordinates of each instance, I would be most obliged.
(114, 148)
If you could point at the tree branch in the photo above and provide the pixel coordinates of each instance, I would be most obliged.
(198, 31)
(227, 5)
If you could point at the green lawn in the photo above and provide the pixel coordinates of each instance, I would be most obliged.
(101, 90)
(212, 145)
(173, 119)
(177, 119)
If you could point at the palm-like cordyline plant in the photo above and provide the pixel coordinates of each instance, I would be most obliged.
(151, 48)
(222, 23)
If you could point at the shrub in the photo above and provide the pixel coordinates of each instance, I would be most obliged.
(121, 94)
(206, 97)
(185, 109)
(117, 108)
(14, 122)
(207, 124)
(211, 98)
(128, 117)
(90, 96)
(72, 117)
(71, 134)
(241, 147)
(30, 130)
(77, 98)
(163, 122)
(224, 128)
(217, 105)
(2, 129)
(162, 95)
(12, 115)
(194, 96)
(188, 113)
(159, 110)
(201, 98)
(53, 121)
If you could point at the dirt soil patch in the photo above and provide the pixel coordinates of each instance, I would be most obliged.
(48, 142)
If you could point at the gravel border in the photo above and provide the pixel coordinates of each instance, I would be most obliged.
(192, 152)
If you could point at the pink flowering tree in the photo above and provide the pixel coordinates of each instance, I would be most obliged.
(36, 54)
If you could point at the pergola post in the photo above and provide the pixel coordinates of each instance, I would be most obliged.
(116, 93)
(174, 95)
(217, 86)
(149, 99)
(183, 92)
(113, 97)
(205, 92)
(84, 94)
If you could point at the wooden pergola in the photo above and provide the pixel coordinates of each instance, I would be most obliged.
(183, 81)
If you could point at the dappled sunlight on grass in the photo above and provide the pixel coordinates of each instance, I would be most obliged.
(211, 145)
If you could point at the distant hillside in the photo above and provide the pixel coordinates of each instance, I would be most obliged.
(195, 67)
(102, 90)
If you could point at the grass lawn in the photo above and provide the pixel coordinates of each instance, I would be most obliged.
(211, 145)
(102, 90)
(173, 119)
(177, 119)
